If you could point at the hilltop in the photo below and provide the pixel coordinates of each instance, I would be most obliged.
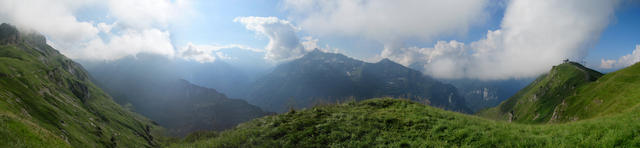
(404, 123)
(541, 100)
(571, 92)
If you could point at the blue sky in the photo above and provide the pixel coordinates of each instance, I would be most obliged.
(620, 37)
(483, 39)
(215, 25)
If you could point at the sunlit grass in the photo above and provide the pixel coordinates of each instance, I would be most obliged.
(402, 123)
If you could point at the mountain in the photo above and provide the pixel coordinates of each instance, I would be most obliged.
(48, 100)
(158, 92)
(403, 123)
(320, 77)
(482, 94)
(589, 109)
(218, 75)
(566, 93)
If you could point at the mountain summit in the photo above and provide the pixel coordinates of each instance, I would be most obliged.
(543, 100)
(320, 77)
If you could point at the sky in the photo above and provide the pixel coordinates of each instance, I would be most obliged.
(477, 39)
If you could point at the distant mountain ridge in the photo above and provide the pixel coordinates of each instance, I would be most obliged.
(321, 77)
(158, 92)
(482, 94)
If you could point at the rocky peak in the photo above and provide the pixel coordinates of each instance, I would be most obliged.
(8, 34)
(385, 61)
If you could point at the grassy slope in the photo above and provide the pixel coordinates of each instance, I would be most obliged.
(546, 96)
(46, 100)
(613, 93)
(401, 123)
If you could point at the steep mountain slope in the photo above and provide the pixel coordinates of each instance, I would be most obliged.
(47, 100)
(320, 77)
(156, 92)
(402, 123)
(568, 92)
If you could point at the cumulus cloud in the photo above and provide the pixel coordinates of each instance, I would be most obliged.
(283, 42)
(54, 18)
(209, 53)
(137, 27)
(148, 13)
(386, 21)
(534, 35)
(442, 59)
(127, 42)
(624, 61)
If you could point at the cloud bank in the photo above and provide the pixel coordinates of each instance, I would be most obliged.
(624, 61)
(534, 35)
(209, 53)
(389, 22)
(284, 43)
(129, 27)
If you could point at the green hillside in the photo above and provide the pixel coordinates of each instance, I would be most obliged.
(402, 123)
(47, 100)
(605, 108)
(572, 92)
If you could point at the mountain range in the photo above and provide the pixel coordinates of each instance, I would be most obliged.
(152, 86)
(319, 77)
(482, 94)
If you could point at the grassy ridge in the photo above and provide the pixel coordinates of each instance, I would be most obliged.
(401, 123)
(571, 92)
(47, 100)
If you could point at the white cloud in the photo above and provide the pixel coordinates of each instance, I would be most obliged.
(607, 64)
(209, 53)
(386, 21)
(309, 42)
(534, 35)
(53, 18)
(148, 13)
(128, 42)
(191, 52)
(624, 61)
(139, 26)
(283, 42)
(440, 61)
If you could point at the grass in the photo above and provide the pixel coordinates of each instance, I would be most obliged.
(401, 123)
(545, 99)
